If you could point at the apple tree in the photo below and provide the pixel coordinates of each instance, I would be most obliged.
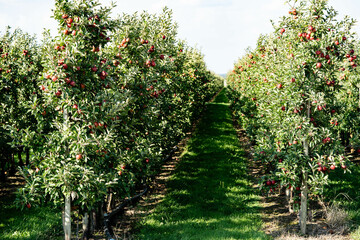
(291, 85)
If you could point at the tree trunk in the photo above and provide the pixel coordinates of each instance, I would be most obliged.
(86, 227)
(12, 165)
(304, 186)
(27, 150)
(67, 210)
(110, 203)
(21, 163)
(303, 207)
(289, 198)
(2, 168)
(67, 218)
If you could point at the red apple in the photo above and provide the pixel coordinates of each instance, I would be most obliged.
(318, 65)
(78, 156)
(116, 63)
(58, 93)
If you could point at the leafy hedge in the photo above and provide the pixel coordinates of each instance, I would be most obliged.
(100, 105)
(296, 94)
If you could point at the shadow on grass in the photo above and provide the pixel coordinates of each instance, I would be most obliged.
(210, 195)
(345, 190)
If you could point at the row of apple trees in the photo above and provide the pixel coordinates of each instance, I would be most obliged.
(98, 106)
(19, 67)
(297, 96)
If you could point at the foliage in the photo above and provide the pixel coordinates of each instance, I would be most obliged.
(291, 95)
(99, 105)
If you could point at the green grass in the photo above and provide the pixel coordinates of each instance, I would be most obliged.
(210, 194)
(342, 185)
(34, 223)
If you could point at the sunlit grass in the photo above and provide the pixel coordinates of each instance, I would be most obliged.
(34, 223)
(210, 195)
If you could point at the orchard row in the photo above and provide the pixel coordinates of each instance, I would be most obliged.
(98, 107)
(297, 95)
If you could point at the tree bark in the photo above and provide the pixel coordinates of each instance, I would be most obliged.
(67, 210)
(21, 163)
(67, 218)
(303, 207)
(2, 168)
(27, 150)
(12, 170)
(86, 227)
(110, 204)
(304, 186)
(289, 197)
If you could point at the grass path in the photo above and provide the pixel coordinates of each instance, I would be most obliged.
(35, 223)
(210, 194)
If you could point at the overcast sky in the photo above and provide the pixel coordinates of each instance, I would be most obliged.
(221, 29)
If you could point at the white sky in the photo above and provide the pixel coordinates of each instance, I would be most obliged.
(221, 29)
